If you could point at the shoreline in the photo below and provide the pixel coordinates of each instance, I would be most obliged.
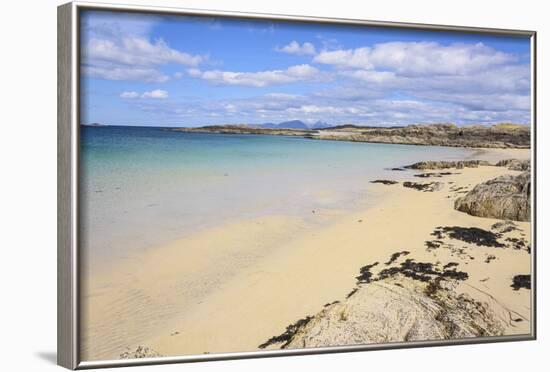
(275, 281)
(501, 136)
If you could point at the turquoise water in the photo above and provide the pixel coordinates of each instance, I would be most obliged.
(141, 187)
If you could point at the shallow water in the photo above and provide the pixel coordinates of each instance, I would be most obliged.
(141, 187)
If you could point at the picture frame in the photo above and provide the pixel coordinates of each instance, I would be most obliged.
(69, 193)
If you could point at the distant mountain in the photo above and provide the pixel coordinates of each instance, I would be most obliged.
(293, 124)
(320, 124)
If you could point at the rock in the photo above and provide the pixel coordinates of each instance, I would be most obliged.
(506, 197)
(426, 187)
(515, 164)
(504, 227)
(501, 136)
(409, 301)
(385, 182)
(447, 164)
(140, 352)
(399, 309)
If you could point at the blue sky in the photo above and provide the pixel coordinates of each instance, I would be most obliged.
(185, 71)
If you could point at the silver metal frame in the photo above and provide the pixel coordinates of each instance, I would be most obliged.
(68, 189)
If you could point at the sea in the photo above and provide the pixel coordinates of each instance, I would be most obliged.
(141, 187)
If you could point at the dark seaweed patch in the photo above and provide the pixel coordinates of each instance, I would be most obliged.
(520, 243)
(352, 292)
(471, 235)
(434, 174)
(433, 244)
(395, 256)
(423, 271)
(365, 274)
(490, 258)
(288, 334)
(521, 281)
(385, 182)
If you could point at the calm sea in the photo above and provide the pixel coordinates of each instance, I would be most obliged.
(141, 187)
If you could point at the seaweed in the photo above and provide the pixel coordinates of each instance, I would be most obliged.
(365, 274)
(521, 281)
(471, 235)
(287, 335)
(395, 256)
(385, 182)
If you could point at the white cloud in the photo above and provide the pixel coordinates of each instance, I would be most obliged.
(157, 94)
(258, 79)
(417, 58)
(295, 48)
(148, 75)
(117, 47)
(350, 58)
(129, 94)
(137, 51)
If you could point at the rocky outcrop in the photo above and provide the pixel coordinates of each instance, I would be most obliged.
(400, 300)
(506, 197)
(399, 309)
(515, 164)
(426, 187)
(497, 136)
(423, 165)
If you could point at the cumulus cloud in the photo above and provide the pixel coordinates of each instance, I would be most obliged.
(417, 58)
(137, 51)
(350, 58)
(258, 79)
(121, 49)
(295, 47)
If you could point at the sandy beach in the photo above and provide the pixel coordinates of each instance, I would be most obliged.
(233, 287)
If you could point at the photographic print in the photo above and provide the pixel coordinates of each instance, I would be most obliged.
(251, 184)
